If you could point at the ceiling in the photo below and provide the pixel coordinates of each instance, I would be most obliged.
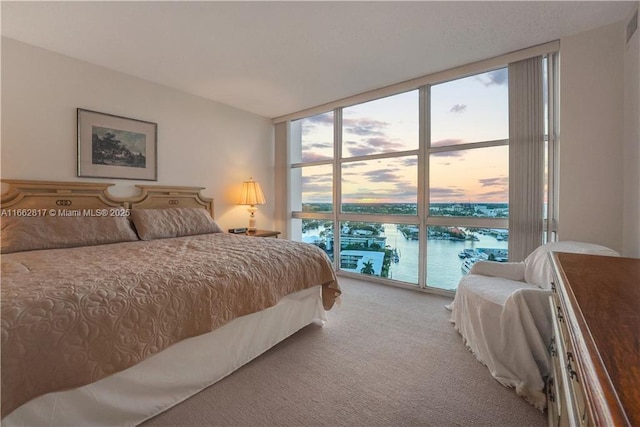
(275, 58)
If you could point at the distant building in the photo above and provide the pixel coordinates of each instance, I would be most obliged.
(354, 261)
(365, 241)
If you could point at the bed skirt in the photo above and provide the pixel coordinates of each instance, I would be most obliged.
(156, 384)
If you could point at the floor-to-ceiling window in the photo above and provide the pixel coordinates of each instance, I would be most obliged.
(410, 188)
(468, 175)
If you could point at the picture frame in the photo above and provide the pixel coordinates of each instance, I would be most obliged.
(111, 146)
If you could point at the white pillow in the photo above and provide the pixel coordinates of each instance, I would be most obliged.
(537, 267)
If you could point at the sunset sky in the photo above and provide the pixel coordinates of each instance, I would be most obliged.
(473, 109)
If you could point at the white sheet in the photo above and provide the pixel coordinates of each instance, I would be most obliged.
(502, 312)
(136, 394)
(506, 324)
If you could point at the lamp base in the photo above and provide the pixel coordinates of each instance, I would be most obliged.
(252, 218)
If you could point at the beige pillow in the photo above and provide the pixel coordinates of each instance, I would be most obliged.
(174, 222)
(52, 232)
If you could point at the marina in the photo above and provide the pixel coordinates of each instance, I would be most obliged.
(448, 259)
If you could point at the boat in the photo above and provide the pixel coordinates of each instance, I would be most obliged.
(468, 262)
(395, 256)
(466, 253)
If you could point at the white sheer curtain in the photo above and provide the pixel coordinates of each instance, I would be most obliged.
(526, 157)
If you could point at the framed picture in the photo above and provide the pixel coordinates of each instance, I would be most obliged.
(116, 147)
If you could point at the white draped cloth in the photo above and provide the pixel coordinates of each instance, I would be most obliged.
(503, 313)
(506, 324)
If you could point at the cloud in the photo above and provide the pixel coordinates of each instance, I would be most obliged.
(317, 179)
(409, 162)
(310, 156)
(361, 150)
(373, 146)
(324, 119)
(497, 77)
(382, 143)
(314, 157)
(382, 175)
(491, 182)
(456, 153)
(458, 108)
(401, 193)
(310, 124)
(317, 187)
(353, 165)
(364, 127)
(489, 195)
(406, 189)
(446, 194)
(319, 145)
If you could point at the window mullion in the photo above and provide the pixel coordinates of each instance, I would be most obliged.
(423, 184)
(316, 163)
(388, 155)
(469, 146)
(337, 185)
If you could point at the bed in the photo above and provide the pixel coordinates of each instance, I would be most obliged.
(115, 309)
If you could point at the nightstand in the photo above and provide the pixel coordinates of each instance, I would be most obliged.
(263, 233)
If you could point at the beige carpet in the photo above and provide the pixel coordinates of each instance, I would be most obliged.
(387, 357)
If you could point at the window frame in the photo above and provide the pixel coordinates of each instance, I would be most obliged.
(423, 219)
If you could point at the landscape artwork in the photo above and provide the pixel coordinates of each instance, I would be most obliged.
(111, 146)
(118, 147)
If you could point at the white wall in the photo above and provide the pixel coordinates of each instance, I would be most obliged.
(200, 143)
(591, 136)
(631, 149)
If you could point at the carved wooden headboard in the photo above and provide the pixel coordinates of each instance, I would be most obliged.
(93, 195)
(57, 195)
(162, 197)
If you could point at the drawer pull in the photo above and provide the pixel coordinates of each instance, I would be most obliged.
(572, 374)
(552, 347)
(553, 286)
(552, 396)
(560, 316)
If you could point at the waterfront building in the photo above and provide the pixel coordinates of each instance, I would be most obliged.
(354, 261)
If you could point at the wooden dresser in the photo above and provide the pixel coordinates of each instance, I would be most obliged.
(595, 348)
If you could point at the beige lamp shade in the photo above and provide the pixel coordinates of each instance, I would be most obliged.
(251, 195)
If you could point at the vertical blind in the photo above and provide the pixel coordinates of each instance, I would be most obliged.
(526, 157)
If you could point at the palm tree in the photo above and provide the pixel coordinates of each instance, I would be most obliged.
(367, 268)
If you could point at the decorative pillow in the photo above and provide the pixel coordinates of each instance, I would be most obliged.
(52, 232)
(174, 222)
(537, 266)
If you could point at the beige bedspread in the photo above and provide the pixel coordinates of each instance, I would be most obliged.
(73, 316)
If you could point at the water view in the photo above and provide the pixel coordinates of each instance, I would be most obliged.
(392, 250)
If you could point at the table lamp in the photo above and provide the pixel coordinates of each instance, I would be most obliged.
(251, 195)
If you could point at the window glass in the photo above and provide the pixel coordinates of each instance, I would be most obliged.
(471, 109)
(383, 250)
(470, 183)
(382, 126)
(381, 186)
(312, 138)
(467, 181)
(316, 183)
(318, 232)
(452, 251)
